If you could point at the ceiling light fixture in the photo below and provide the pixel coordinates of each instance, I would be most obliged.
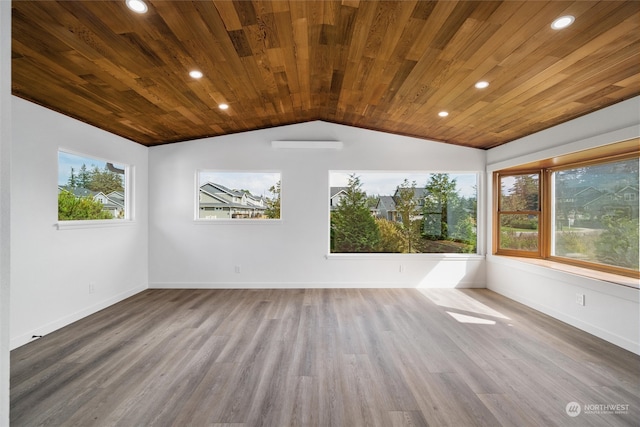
(223, 106)
(443, 114)
(138, 6)
(196, 74)
(562, 22)
(482, 85)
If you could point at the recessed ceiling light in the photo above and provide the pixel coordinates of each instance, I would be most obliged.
(443, 114)
(138, 6)
(223, 106)
(562, 22)
(195, 74)
(482, 85)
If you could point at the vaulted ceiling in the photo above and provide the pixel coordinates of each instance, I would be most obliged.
(384, 65)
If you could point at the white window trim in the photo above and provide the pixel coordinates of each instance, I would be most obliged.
(224, 221)
(129, 205)
(481, 232)
(93, 223)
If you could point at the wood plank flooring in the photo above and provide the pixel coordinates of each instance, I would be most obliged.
(321, 357)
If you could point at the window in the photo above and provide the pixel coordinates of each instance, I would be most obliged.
(91, 189)
(238, 195)
(402, 212)
(519, 212)
(580, 209)
(598, 223)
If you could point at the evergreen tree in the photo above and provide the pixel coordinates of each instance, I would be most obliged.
(406, 205)
(353, 228)
(72, 182)
(104, 181)
(273, 204)
(441, 196)
(523, 195)
(83, 176)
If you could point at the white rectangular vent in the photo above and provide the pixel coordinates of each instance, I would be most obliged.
(307, 145)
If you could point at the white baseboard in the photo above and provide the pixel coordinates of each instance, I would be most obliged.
(68, 319)
(606, 335)
(307, 285)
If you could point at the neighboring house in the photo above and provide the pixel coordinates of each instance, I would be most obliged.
(219, 202)
(629, 194)
(112, 202)
(77, 191)
(256, 201)
(337, 193)
(117, 197)
(580, 196)
(386, 208)
(419, 196)
(571, 204)
(589, 203)
(622, 203)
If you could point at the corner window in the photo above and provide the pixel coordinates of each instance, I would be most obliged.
(91, 188)
(579, 209)
(402, 212)
(238, 195)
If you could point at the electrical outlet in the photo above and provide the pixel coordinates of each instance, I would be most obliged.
(92, 287)
(237, 269)
(580, 299)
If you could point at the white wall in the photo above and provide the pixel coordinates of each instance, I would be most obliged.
(293, 252)
(51, 269)
(611, 311)
(5, 177)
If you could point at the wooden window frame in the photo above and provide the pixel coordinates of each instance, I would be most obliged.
(498, 213)
(625, 150)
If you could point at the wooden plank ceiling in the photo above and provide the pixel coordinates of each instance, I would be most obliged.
(383, 65)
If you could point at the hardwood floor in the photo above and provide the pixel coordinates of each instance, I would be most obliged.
(321, 357)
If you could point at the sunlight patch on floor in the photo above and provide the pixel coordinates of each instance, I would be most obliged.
(455, 299)
(463, 318)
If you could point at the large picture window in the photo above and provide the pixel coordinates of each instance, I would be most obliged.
(595, 213)
(90, 188)
(238, 195)
(579, 209)
(397, 212)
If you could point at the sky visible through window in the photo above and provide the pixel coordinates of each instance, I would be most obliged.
(385, 183)
(66, 161)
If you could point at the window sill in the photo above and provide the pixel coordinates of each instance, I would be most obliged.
(577, 271)
(237, 221)
(428, 256)
(75, 225)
